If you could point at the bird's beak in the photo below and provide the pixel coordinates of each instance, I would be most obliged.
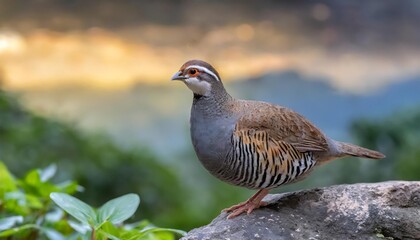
(178, 76)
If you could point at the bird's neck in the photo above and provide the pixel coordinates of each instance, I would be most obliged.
(213, 104)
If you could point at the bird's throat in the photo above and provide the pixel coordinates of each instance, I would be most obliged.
(197, 96)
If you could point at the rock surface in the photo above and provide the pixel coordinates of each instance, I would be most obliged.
(387, 210)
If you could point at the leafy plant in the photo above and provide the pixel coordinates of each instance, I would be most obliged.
(102, 223)
(28, 140)
(27, 212)
(25, 206)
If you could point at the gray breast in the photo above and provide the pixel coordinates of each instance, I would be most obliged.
(211, 137)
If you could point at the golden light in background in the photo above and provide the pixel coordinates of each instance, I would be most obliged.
(10, 42)
(103, 59)
(244, 32)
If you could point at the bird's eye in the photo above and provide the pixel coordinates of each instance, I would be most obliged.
(192, 72)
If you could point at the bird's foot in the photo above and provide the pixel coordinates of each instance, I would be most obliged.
(247, 207)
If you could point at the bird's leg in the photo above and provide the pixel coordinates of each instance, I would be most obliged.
(249, 205)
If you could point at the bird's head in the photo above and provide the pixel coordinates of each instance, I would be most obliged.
(199, 76)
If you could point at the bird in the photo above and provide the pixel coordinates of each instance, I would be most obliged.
(254, 144)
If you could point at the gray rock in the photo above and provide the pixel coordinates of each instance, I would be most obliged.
(387, 210)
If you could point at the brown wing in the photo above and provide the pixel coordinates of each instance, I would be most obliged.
(281, 124)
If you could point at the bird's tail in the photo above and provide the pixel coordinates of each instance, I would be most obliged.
(356, 151)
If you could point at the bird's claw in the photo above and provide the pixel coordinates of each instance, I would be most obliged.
(247, 207)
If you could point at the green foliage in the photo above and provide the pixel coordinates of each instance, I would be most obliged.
(73, 206)
(103, 222)
(25, 206)
(26, 212)
(106, 170)
(398, 136)
(119, 209)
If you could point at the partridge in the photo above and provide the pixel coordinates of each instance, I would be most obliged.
(254, 144)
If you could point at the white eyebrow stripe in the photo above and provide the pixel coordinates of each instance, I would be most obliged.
(204, 70)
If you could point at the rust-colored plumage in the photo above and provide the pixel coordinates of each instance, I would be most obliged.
(282, 124)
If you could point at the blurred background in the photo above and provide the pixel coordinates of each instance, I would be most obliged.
(85, 85)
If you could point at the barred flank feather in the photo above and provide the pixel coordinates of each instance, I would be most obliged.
(260, 162)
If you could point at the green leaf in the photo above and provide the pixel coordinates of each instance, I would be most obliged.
(161, 235)
(9, 222)
(7, 181)
(48, 172)
(105, 235)
(33, 184)
(33, 178)
(79, 236)
(156, 229)
(16, 202)
(152, 233)
(119, 209)
(81, 228)
(109, 228)
(17, 230)
(55, 215)
(68, 187)
(137, 225)
(52, 234)
(33, 201)
(73, 206)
